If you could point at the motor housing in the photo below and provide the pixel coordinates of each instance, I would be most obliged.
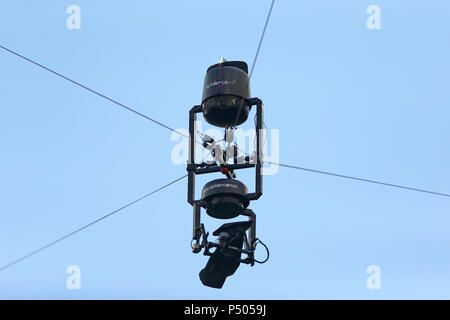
(225, 198)
(225, 94)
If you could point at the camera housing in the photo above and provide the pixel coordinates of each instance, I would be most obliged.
(226, 258)
(225, 198)
(225, 94)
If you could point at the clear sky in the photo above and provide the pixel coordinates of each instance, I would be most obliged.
(368, 103)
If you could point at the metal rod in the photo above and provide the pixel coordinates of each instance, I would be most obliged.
(196, 232)
(191, 157)
(217, 168)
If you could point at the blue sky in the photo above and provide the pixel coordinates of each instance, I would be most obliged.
(367, 103)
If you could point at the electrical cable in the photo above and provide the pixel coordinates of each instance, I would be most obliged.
(10, 264)
(359, 179)
(93, 91)
(267, 249)
(261, 39)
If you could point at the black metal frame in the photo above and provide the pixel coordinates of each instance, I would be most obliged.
(203, 168)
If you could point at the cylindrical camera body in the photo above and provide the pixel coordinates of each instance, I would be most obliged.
(225, 94)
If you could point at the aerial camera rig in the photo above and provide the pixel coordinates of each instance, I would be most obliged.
(226, 103)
